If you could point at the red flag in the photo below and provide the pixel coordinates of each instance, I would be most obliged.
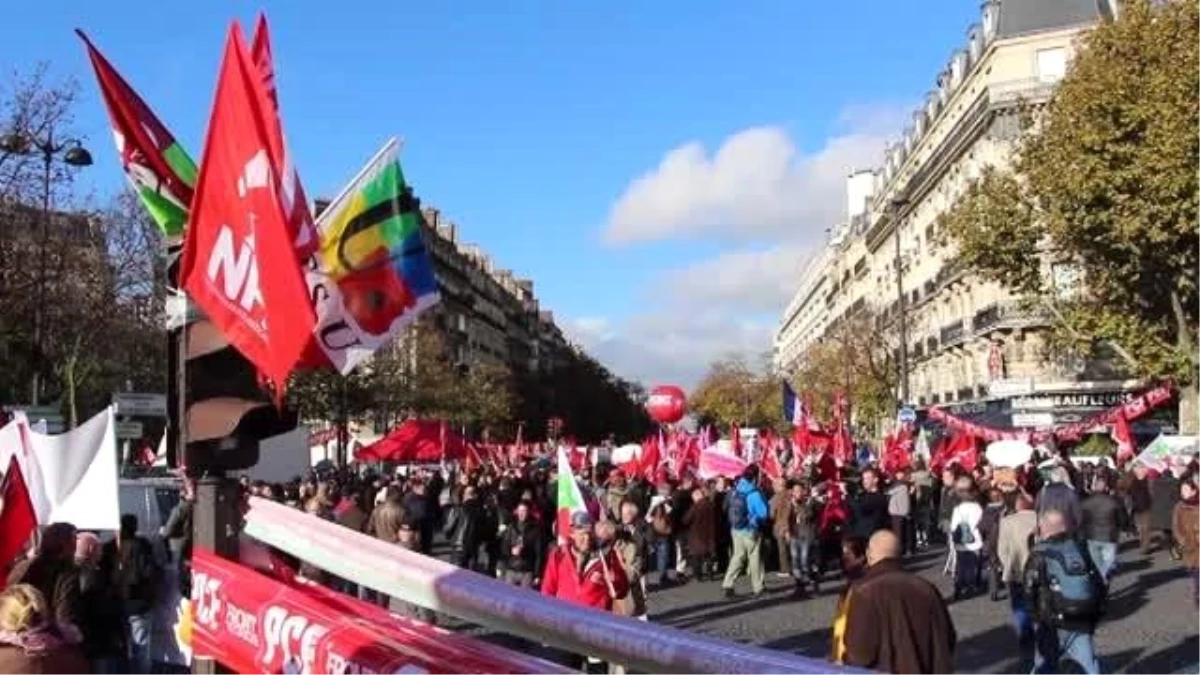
(735, 435)
(17, 517)
(238, 263)
(770, 461)
(291, 191)
(651, 456)
(962, 449)
(1123, 435)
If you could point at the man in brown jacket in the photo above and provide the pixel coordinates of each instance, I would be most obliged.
(897, 622)
(781, 520)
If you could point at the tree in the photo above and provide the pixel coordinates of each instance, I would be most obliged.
(855, 356)
(734, 391)
(1104, 183)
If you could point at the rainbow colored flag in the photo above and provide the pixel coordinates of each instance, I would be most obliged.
(372, 274)
(158, 168)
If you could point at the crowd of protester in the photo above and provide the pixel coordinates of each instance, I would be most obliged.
(1044, 541)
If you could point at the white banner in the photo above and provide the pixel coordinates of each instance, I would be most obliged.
(72, 477)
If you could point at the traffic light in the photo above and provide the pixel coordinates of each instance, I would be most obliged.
(225, 412)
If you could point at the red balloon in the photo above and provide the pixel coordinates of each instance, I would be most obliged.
(667, 404)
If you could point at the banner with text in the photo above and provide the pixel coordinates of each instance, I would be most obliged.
(254, 624)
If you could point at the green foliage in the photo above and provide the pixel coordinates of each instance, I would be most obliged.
(734, 391)
(1095, 445)
(1106, 182)
(857, 358)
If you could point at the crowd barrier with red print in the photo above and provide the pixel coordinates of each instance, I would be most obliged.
(252, 623)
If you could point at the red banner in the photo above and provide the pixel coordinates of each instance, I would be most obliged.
(254, 624)
(1132, 409)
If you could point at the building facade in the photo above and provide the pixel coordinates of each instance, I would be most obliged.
(487, 313)
(972, 347)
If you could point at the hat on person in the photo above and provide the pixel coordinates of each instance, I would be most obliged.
(581, 520)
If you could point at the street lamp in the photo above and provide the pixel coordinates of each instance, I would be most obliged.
(895, 206)
(71, 152)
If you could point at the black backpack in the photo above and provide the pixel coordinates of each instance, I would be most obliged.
(738, 510)
(1071, 587)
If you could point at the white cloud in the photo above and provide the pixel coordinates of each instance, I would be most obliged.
(740, 282)
(671, 347)
(757, 187)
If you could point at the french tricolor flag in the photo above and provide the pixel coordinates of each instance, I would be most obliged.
(793, 407)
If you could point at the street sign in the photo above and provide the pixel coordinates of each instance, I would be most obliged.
(141, 405)
(129, 430)
(906, 415)
(55, 422)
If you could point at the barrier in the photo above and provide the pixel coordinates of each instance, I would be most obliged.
(436, 585)
(252, 623)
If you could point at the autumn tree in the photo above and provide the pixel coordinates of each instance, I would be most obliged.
(855, 356)
(1105, 184)
(734, 390)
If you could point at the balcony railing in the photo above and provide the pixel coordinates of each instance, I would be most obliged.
(1003, 315)
(1031, 90)
(953, 333)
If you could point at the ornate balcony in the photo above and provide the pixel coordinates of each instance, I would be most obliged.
(953, 334)
(1007, 316)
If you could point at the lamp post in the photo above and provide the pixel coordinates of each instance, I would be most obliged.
(71, 152)
(896, 205)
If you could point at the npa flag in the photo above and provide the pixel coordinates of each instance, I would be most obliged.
(372, 274)
(157, 167)
(291, 192)
(17, 517)
(238, 263)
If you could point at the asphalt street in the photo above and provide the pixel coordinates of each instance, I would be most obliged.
(1151, 625)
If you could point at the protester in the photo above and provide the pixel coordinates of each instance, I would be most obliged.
(886, 605)
(581, 572)
(802, 535)
(747, 511)
(781, 520)
(989, 530)
(466, 529)
(521, 547)
(1066, 594)
(53, 573)
(1017, 531)
(900, 511)
(869, 510)
(1164, 493)
(31, 641)
(129, 564)
(966, 538)
(1103, 522)
(853, 563)
(1186, 529)
(701, 521)
(104, 641)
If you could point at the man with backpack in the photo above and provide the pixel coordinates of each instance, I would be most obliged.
(1066, 594)
(747, 511)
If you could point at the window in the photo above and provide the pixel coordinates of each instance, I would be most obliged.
(1051, 64)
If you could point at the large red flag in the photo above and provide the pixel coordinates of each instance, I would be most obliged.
(291, 191)
(17, 517)
(238, 262)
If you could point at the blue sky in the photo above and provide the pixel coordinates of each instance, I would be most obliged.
(556, 134)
